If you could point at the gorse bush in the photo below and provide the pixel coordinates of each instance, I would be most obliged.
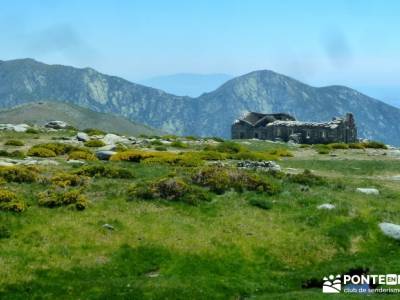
(228, 147)
(172, 189)
(374, 145)
(41, 152)
(356, 146)
(156, 143)
(94, 131)
(9, 201)
(13, 154)
(32, 131)
(106, 171)
(20, 174)
(67, 179)
(51, 149)
(338, 146)
(133, 155)
(307, 178)
(79, 154)
(179, 144)
(56, 198)
(260, 201)
(188, 159)
(160, 148)
(94, 143)
(221, 179)
(14, 143)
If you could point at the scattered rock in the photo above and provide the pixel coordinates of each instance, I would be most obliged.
(110, 147)
(265, 165)
(5, 164)
(368, 191)
(104, 154)
(47, 162)
(153, 274)
(390, 230)
(75, 161)
(327, 206)
(112, 139)
(57, 125)
(82, 137)
(108, 226)
(16, 128)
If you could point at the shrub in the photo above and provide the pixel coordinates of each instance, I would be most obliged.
(156, 143)
(339, 146)
(281, 152)
(251, 155)
(356, 146)
(191, 138)
(323, 151)
(229, 147)
(5, 233)
(220, 179)
(217, 139)
(304, 146)
(260, 202)
(105, 171)
(9, 201)
(79, 154)
(179, 144)
(187, 159)
(56, 148)
(94, 131)
(14, 143)
(169, 137)
(374, 145)
(19, 174)
(32, 131)
(65, 180)
(172, 189)
(56, 198)
(307, 178)
(14, 154)
(94, 143)
(41, 152)
(133, 155)
(211, 155)
(161, 148)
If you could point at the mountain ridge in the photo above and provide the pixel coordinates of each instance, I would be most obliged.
(209, 114)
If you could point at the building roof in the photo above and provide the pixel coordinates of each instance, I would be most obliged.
(329, 125)
(259, 119)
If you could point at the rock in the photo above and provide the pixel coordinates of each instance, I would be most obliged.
(82, 137)
(108, 226)
(47, 162)
(390, 230)
(75, 161)
(112, 139)
(110, 147)
(368, 191)
(5, 164)
(327, 206)
(21, 127)
(104, 154)
(265, 165)
(57, 125)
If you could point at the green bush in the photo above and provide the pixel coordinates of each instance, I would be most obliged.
(94, 131)
(161, 148)
(374, 145)
(5, 233)
(339, 146)
(41, 152)
(356, 146)
(156, 143)
(17, 143)
(307, 178)
(187, 159)
(217, 139)
(56, 198)
(9, 201)
(323, 151)
(229, 147)
(79, 154)
(105, 171)
(221, 179)
(94, 143)
(65, 180)
(56, 148)
(13, 154)
(179, 144)
(32, 131)
(172, 189)
(20, 174)
(260, 202)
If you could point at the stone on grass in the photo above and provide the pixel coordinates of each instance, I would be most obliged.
(390, 230)
(57, 125)
(108, 226)
(75, 161)
(111, 139)
(368, 191)
(82, 137)
(5, 164)
(265, 165)
(327, 206)
(104, 154)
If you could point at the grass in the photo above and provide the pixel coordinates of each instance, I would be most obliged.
(239, 245)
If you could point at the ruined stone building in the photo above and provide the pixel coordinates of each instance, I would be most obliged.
(283, 127)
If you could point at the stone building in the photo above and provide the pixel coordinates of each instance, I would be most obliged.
(283, 127)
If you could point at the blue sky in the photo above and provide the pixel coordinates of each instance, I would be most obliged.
(354, 43)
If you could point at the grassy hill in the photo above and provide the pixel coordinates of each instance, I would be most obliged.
(163, 225)
(41, 112)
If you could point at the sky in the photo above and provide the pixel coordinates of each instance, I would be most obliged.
(353, 43)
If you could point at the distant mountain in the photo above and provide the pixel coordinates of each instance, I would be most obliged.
(212, 113)
(186, 84)
(40, 113)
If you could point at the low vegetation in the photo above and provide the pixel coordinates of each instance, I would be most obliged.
(16, 143)
(94, 143)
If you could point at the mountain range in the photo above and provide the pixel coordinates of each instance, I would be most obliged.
(39, 113)
(210, 114)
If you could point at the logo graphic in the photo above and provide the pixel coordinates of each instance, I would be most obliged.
(332, 284)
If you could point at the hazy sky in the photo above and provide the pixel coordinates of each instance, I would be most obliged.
(355, 43)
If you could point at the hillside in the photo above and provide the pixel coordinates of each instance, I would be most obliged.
(40, 113)
(210, 114)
